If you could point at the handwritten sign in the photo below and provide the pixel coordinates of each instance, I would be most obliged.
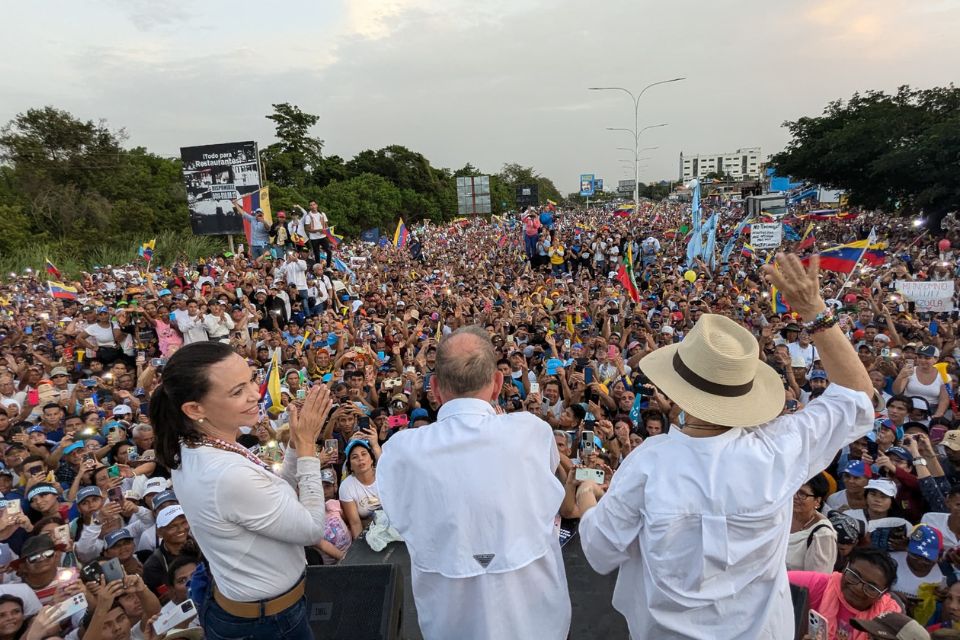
(766, 235)
(932, 297)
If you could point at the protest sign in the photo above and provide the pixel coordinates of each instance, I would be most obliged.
(766, 235)
(215, 175)
(934, 297)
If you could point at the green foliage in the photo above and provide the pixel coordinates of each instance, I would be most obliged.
(898, 152)
(70, 191)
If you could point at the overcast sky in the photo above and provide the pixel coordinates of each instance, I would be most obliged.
(480, 81)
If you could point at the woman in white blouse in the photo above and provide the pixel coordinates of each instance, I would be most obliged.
(813, 542)
(250, 523)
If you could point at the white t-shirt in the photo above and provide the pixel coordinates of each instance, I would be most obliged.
(101, 336)
(907, 581)
(318, 220)
(366, 497)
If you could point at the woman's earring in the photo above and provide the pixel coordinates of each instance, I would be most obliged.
(199, 420)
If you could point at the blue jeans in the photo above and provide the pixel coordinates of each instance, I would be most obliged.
(530, 245)
(305, 299)
(291, 624)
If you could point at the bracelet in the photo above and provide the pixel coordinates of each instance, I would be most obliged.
(824, 320)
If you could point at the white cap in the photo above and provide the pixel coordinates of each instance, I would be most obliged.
(886, 487)
(154, 485)
(168, 515)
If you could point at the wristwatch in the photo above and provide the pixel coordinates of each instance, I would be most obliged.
(920, 461)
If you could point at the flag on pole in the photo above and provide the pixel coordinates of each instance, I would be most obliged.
(708, 254)
(808, 239)
(259, 199)
(400, 235)
(845, 257)
(61, 291)
(146, 250)
(332, 237)
(270, 389)
(625, 275)
(52, 270)
(747, 251)
(777, 302)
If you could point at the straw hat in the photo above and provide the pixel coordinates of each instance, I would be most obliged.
(716, 375)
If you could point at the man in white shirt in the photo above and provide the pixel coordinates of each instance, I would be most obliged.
(316, 223)
(701, 546)
(475, 498)
(217, 322)
(295, 271)
(191, 325)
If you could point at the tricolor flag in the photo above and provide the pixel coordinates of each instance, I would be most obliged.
(777, 302)
(625, 275)
(845, 257)
(146, 250)
(747, 251)
(61, 290)
(808, 239)
(259, 199)
(400, 235)
(270, 389)
(332, 237)
(52, 270)
(829, 214)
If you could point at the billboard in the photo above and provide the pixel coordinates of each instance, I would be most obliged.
(215, 175)
(586, 184)
(528, 195)
(473, 195)
(598, 184)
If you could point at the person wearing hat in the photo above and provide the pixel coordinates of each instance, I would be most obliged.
(175, 540)
(715, 540)
(882, 515)
(359, 491)
(37, 566)
(924, 381)
(119, 544)
(918, 565)
(44, 501)
(891, 626)
(435, 480)
(850, 534)
(855, 475)
(259, 229)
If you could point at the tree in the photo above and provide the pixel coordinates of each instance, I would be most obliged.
(898, 152)
(514, 175)
(296, 156)
(361, 202)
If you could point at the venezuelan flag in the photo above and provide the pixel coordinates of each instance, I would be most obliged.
(829, 214)
(400, 235)
(808, 239)
(844, 258)
(270, 389)
(777, 303)
(146, 250)
(52, 270)
(259, 199)
(332, 238)
(61, 290)
(747, 251)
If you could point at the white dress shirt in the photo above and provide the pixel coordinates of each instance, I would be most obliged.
(699, 526)
(475, 497)
(249, 522)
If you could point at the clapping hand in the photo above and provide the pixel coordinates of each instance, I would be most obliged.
(306, 424)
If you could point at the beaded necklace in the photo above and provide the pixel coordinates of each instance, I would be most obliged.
(217, 443)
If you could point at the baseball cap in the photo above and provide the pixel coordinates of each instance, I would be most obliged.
(951, 439)
(886, 487)
(59, 371)
(928, 351)
(122, 410)
(355, 443)
(73, 447)
(35, 429)
(164, 497)
(857, 469)
(884, 423)
(168, 515)
(817, 374)
(917, 402)
(901, 453)
(42, 489)
(328, 475)
(114, 537)
(154, 485)
(926, 542)
(418, 414)
(891, 626)
(163, 292)
(90, 491)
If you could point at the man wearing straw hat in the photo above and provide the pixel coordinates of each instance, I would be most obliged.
(697, 520)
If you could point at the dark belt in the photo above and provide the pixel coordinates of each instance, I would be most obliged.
(262, 607)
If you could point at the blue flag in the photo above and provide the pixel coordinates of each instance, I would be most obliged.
(708, 254)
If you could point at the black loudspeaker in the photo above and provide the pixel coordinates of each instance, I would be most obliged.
(356, 602)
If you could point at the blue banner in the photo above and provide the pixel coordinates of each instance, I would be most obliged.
(586, 185)
(370, 235)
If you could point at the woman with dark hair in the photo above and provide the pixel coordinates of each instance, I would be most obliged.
(251, 524)
(861, 590)
(812, 544)
(358, 491)
(13, 623)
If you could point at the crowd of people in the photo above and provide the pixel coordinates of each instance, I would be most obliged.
(89, 503)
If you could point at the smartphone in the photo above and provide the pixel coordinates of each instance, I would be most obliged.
(91, 572)
(61, 535)
(33, 397)
(398, 421)
(612, 352)
(156, 363)
(114, 471)
(534, 387)
(330, 444)
(596, 475)
(68, 608)
(301, 394)
(112, 570)
(587, 444)
(363, 423)
(588, 375)
(791, 406)
(89, 383)
(14, 507)
(174, 614)
(873, 449)
(817, 626)
(115, 494)
(566, 344)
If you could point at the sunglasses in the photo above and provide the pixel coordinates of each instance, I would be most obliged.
(43, 555)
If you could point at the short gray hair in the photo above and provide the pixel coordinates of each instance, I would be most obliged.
(466, 361)
(141, 429)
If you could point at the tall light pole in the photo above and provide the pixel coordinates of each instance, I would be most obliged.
(636, 128)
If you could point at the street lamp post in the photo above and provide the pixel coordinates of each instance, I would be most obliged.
(636, 128)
